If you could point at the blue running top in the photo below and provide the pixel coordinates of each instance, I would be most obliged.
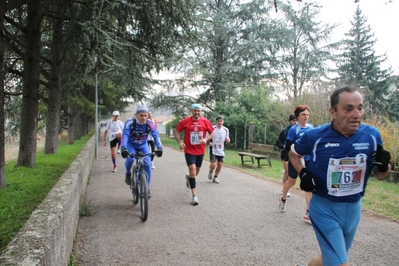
(341, 165)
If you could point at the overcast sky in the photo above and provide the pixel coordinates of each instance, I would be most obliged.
(382, 16)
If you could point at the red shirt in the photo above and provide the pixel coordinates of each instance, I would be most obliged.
(194, 131)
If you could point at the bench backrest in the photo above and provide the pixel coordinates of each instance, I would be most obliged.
(260, 148)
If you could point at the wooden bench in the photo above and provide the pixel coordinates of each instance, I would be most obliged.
(259, 152)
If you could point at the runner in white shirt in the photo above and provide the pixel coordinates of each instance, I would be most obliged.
(216, 148)
(115, 128)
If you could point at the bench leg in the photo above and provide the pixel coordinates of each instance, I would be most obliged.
(252, 159)
(258, 162)
(242, 159)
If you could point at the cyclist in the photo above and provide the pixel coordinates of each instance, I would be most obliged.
(134, 139)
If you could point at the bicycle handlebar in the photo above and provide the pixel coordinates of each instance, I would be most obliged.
(140, 155)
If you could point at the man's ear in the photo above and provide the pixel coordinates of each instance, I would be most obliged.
(332, 113)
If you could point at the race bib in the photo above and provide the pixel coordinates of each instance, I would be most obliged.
(345, 176)
(195, 137)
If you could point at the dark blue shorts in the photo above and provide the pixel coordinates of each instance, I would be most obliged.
(113, 142)
(194, 159)
(291, 171)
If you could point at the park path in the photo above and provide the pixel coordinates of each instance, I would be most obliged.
(236, 223)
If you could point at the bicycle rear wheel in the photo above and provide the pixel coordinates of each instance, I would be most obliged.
(144, 197)
(134, 187)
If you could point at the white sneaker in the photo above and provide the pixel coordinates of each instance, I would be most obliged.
(119, 151)
(288, 194)
(114, 170)
(216, 180)
(152, 165)
(210, 175)
(195, 201)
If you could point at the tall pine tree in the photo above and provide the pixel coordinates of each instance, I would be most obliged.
(360, 66)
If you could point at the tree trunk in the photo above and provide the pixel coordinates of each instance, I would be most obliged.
(54, 100)
(3, 182)
(71, 125)
(30, 97)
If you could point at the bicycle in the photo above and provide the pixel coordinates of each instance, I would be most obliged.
(139, 182)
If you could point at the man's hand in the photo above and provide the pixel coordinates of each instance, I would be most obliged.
(124, 152)
(158, 152)
(307, 180)
(381, 158)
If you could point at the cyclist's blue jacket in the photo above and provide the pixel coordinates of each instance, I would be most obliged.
(349, 173)
(136, 137)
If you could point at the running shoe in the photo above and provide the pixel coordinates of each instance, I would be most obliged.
(152, 165)
(210, 175)
(306, 217)
(216, 180)
(128, 179)
(282, 205)
(187, 182)
(119, 151)
(114, 170)
(195, 201)
(288, 194)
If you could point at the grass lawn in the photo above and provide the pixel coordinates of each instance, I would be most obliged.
(381, 197)
(27, 187)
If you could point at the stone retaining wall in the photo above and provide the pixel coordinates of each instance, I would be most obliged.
(47, 237)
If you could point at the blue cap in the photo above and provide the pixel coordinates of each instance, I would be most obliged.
(141, 109)
(196, 105)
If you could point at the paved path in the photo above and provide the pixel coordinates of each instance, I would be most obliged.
(236, 223)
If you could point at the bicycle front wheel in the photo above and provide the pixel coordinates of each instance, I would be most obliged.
(135, 189)
(143, 197)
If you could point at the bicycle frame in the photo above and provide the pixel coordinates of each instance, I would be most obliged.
(139, 183)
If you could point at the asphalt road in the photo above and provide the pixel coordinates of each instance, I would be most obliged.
(237, 222)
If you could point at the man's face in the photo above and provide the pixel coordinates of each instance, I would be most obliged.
(293, 122)
(149, 115)
(349, 112)
(142, 117)
(115, 117)
(196, 112)
(219, 123)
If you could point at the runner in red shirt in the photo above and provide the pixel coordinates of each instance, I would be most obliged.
(195, 128)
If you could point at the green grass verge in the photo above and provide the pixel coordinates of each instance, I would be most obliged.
(27, 187)
(381, 197)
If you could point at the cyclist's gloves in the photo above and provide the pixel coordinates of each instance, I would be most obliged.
(307, 180)
(124, 152)
(158, 152)
(381, 158)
